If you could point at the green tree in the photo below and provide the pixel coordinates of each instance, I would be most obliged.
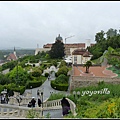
(18, 75)
(87, 65)
(99, 36)
(3, 79)
(57, 50)
(111, 32)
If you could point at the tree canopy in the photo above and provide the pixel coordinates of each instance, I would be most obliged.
(57, 50)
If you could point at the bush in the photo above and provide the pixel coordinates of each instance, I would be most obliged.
(36, 73)
(63, 70)
(61, 87)
(61, 79)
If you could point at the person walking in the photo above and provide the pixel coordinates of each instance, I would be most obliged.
(65, 106)
(38, 93)
(48, 77)
(39, 102)
(33, 101)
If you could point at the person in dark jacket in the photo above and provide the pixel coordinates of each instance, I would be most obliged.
(33, 101)
(29, 104)
(65, 106)
(39, 102)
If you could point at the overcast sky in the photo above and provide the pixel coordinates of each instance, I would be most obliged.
(25, 24)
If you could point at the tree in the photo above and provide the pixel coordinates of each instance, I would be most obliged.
(18, 75)
(57, 50)
(87, 65)
(99, 36)
(111, 32)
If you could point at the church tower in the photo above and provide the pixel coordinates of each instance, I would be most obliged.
(59, 38)
(15, 53)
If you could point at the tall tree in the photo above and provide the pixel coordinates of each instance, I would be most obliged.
(99, 36)
(111, 32)
(87, 65)
(57, 50)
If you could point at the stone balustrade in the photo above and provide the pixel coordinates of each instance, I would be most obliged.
(12, 111)
(54, 104)
(15, 111)
(72, 107)
(24, 101)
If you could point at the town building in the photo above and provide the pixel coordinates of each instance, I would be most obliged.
(12, 56)
(69, 48)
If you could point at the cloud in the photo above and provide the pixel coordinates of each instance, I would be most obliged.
(28, 23)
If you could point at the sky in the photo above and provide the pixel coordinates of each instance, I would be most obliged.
(32, 24)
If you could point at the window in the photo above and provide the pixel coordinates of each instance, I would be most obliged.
(75, 59)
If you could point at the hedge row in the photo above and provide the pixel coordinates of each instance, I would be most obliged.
(61, 87)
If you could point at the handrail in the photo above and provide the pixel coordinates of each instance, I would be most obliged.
(11, 111)
(8, 110)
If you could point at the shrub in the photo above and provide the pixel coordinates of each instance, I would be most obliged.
(63, 70)
(61, 79)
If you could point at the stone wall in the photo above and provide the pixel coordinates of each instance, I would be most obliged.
(83, 81)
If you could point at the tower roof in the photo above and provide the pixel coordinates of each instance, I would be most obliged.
(59, 37)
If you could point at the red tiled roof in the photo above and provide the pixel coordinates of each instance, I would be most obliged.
(11, 57)
(82, 52)
(47, 46)
(79, 52)
(74, 45)
(87, 54)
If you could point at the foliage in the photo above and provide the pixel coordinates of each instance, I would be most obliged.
(63, 70)
(87, 65)
(99, 36)
(107, 109)
(56, 96)
(62, 79)
(4, 80)
(54, 62)
(36, 73)
(18, 75)
(57, 50)
(113, 40)
(9, 64)
(59, 86)
(63, 63)
(47, 115)
(101, 105)
(32, 114)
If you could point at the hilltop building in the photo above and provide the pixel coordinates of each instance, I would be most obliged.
(69, 48)
(12, 56)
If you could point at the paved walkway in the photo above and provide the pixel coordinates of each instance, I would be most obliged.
(98, 71)
(46, 88)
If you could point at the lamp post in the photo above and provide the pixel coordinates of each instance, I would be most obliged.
(42, 102)
(17, 71)
(17, 76)
(31, 90)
